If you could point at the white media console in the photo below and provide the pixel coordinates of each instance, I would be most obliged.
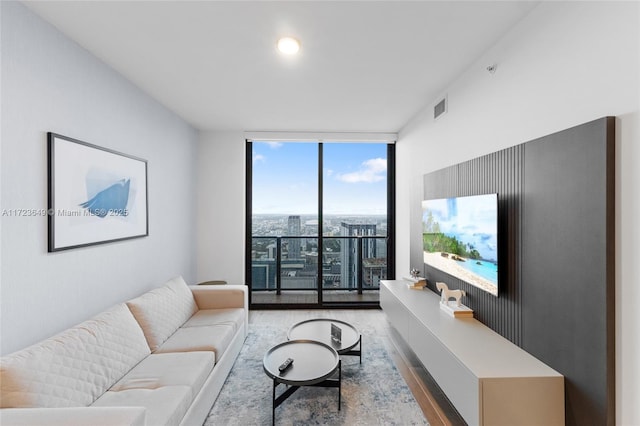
(487, 378)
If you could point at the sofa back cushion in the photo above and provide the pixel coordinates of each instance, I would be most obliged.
(160, 312)
(75, 367)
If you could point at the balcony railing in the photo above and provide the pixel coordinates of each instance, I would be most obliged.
(291, 263)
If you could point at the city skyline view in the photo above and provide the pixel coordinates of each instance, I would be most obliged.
(286, 253)
(277, 224)
(285, 178)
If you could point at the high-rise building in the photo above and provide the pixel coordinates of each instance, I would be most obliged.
(293, 230)
(349, 252)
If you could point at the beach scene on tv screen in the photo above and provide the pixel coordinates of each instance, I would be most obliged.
(460, 237)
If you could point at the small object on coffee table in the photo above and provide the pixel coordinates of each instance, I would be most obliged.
(336, 333)
(285, 365)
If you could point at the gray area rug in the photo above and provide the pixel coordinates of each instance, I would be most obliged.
(373, 393)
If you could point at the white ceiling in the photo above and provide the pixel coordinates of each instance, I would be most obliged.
(364, 66)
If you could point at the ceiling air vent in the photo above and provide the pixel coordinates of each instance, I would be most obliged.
(440, 108)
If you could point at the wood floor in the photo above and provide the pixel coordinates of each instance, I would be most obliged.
(436, 407)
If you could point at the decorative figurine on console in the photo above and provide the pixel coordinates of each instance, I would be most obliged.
(417, 283)
(414, 273)
(446, 294)
(459, 310)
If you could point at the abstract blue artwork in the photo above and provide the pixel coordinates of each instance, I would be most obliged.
(96, 195)
(112, 200)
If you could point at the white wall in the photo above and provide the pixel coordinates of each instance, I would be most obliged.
(221, 206)
(49, 83)
(565, 64)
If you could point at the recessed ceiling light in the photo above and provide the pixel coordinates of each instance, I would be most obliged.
(288, 45)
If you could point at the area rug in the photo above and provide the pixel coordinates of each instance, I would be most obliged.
(373, 393)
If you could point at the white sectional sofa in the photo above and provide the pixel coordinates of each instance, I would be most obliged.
(158, 359)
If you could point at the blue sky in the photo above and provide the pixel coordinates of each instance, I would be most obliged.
(285, 178)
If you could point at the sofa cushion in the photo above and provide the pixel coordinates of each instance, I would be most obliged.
(215, 338)
(73, 416)
(170, 369)
(165, 406)
(76, 366)
(231, 316)
(161, 311)
(220, 297)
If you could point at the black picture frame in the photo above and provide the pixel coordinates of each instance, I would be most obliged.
(95, 195)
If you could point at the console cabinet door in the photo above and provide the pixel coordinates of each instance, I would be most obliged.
(459, 384)
(396, 312)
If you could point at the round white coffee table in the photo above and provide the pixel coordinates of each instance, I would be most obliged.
(319, 329)
(314, 363)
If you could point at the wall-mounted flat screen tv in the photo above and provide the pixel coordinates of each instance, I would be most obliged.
(460, 237)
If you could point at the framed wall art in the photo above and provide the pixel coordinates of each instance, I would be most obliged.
(96, 195)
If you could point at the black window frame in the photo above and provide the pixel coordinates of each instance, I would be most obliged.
(391, 231)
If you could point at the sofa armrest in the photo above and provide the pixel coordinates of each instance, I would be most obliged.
(73, 416)
(220, 297)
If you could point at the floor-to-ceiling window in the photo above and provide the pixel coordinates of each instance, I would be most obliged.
(319, 223)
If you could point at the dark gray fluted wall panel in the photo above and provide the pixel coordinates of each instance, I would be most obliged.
(556, 252)
(568, 282)
(500, 172)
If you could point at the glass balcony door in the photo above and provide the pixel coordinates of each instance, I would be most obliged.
(355, 221)
(317, 220)
(284, 223)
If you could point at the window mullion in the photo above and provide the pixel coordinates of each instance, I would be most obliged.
(320, 224)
